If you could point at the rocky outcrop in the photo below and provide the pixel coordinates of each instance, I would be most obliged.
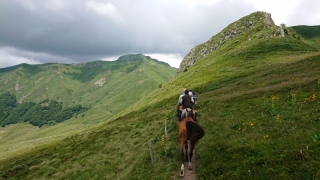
(257, 21)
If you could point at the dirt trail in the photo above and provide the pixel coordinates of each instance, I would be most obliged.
(190, 174)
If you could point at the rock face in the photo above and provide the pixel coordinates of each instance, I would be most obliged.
(257, 21)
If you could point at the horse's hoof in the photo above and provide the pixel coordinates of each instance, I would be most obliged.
(181, 173)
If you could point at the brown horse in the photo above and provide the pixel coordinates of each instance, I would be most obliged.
(188, 130)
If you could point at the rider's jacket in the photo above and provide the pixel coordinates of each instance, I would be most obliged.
(187, 101)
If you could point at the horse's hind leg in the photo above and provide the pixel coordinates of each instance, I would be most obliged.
(182, 149)
(182, 160)
(192, 145)
(186, 148)
(181, 173)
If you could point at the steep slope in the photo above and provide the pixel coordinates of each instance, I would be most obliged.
(258, 101)
(250, 26)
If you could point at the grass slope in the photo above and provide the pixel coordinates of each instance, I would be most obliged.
(87, 83)
(258, 102)
(110, 88)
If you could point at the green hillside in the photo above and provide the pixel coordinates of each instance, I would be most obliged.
(105, 88)
(85, 83)
(258, 101)
(310, 33)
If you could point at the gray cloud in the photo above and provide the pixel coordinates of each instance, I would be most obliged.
(306, 13)
(72, 31)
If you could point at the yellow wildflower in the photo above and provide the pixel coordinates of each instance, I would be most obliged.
(266, 136)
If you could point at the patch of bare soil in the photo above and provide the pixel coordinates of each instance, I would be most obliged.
(100, 82)
(17, 84)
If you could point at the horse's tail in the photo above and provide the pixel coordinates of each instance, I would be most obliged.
(195, 131)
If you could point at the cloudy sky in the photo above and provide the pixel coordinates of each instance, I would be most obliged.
(73, 31)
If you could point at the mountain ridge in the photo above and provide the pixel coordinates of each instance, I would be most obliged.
(83, 72)
(250, 25)
(108, 86)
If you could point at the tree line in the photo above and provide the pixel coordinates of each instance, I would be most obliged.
(38, 114)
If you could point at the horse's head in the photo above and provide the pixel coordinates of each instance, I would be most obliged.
(190, 114)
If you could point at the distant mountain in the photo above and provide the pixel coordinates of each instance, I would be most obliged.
(113, 84)
(310, 33)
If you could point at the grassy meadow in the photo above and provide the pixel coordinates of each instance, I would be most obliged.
(260, 124)
(258, 102)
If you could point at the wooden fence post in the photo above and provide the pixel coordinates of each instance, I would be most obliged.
(165, 128)
(151, 151)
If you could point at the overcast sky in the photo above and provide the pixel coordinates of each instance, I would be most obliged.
(73, 31)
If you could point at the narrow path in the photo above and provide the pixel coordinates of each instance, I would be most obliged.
(190, 174)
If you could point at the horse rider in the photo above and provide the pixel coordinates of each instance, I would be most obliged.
(179, 107)
(180, 97)
(193, 94)
(187, 102)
